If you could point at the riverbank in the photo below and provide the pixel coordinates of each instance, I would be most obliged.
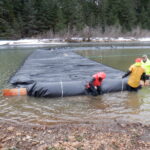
(70, 40)
(111, 136)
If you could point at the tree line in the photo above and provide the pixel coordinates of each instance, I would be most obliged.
(26, 18)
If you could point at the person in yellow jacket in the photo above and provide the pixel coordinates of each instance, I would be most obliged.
(146, 65)
(136, 71)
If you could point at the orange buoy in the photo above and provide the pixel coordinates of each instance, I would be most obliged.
(14, 92)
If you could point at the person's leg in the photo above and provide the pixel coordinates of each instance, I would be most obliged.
(147, 83)
(87, 88)
(135, 89)
(142, 81)
(99, 90)
(128, 88)
(131, 89)
(94, 91)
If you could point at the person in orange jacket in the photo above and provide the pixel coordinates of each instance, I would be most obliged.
(94, 86)
(135, 73)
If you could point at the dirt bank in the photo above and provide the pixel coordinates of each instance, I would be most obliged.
(105, 136)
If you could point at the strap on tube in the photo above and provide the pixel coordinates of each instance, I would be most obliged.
(62, 92)
(18, 91)
(122, 85)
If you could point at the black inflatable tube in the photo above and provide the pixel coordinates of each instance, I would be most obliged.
(73, 88)
(61, 73)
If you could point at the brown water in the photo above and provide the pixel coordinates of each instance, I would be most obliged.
(134, 107)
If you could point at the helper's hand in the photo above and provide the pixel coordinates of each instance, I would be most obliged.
(123, 76)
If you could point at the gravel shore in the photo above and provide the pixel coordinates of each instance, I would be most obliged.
(105, 136)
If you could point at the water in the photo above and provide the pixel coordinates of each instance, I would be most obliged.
(117, 58)
(133, 107)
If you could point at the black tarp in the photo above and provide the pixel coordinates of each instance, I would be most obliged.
(45, 72)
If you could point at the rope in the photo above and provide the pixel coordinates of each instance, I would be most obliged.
(62, 92)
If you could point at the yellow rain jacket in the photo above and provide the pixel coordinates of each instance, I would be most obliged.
(136, 72)
(146, 66)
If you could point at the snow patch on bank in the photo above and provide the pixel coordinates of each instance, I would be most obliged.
(144, 39)
(73, 39)
(31, 42)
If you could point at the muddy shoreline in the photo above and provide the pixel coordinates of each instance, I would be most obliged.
(112, 135)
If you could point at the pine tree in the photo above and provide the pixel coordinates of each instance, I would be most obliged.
(144, 14)
(28, 14)
(72, 14)
(60, 24)
(112, 13)
(103, 14)
(6, 19)
(23, 18)
(126, 15)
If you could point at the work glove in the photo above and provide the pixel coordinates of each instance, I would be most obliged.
(124, 76)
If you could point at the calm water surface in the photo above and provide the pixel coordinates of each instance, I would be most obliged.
(134, 107)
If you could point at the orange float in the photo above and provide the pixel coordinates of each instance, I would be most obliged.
(14, 92)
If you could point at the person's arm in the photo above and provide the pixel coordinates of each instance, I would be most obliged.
(100, 79)
(126, 74)
(143, 76)
(91, 82)
(94, 91)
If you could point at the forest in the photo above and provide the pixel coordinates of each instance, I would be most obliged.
(28, 18)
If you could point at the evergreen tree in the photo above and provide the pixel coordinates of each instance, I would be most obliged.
(72, 13)
(126, 15)
(7, 19)
(28, 17)
(90, 13)
(112, 13)
(145, 15)
(60, 25)
(103, 16)
(25, 18)
(46, 16)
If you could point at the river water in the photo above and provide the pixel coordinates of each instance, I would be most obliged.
(133, 107)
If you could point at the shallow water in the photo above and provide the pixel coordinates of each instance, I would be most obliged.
(117, 58)
(134, 107)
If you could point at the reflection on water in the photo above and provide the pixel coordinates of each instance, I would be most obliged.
(127, 106)
(117, 58)
(119, 105)
(134, 101)
(10, 61)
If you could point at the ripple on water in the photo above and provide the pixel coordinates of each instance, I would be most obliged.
(128, 106)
